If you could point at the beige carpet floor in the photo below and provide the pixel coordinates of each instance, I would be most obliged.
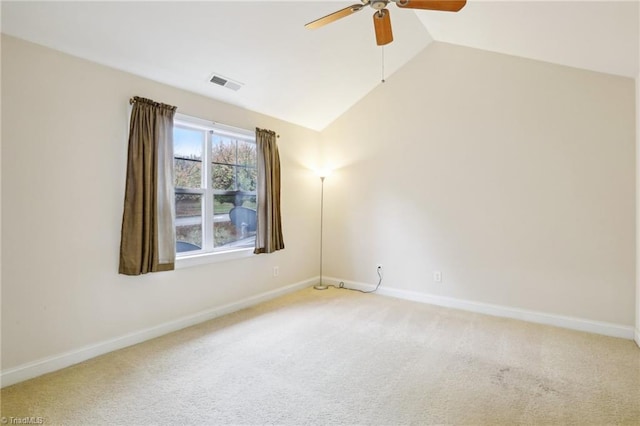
(340, 357)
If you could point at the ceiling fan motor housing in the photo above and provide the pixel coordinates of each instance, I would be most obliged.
(379, 4)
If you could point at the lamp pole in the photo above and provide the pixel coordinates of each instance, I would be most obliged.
(320, 285)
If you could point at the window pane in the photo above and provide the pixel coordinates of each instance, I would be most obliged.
(234, 226)
(223, 177)
(247, 178)
(249, 201)
(188, 238)
(188, 222)
(187, 152)
(188, 173)
(246, 153)
(222, 204)
(188, 205)
(223, 150)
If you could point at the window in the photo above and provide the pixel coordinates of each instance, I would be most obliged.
(215, 186)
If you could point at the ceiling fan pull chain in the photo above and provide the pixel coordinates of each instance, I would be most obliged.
(382, 48)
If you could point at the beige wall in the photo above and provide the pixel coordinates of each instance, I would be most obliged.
(514, 178)
(637, 334)
(64, 150)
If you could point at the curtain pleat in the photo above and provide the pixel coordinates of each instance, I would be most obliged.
(269, 226)
(148, 235)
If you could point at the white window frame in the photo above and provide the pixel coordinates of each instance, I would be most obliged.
(208, 253)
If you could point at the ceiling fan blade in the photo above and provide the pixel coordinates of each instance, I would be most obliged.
(334, 16)
(382, 24)
(442, 5)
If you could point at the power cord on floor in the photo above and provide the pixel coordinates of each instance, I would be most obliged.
(341, 285)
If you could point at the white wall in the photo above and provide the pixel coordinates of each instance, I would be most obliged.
(64, 136)
(513, 177)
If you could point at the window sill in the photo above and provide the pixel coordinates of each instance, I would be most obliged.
(207, 258)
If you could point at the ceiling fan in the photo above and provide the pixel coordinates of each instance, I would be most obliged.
(381, 19)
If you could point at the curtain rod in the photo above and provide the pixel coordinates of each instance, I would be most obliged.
(277, 135)
(133, 100)
(152, 102)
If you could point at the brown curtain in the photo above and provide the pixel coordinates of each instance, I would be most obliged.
(147, 241)
(269, 228)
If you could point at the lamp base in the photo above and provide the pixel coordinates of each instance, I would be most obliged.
(320, 286)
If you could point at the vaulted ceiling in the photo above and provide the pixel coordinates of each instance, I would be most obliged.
(310, 77)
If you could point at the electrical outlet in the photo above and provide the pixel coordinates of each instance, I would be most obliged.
(276, 271)
(437, 276)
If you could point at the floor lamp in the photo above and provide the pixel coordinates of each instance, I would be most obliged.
(320, 285)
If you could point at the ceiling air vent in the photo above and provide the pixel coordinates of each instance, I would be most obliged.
(225, 82)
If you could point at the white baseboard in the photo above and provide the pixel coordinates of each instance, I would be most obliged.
(57, 362)
(637, 336)
(580, 324)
